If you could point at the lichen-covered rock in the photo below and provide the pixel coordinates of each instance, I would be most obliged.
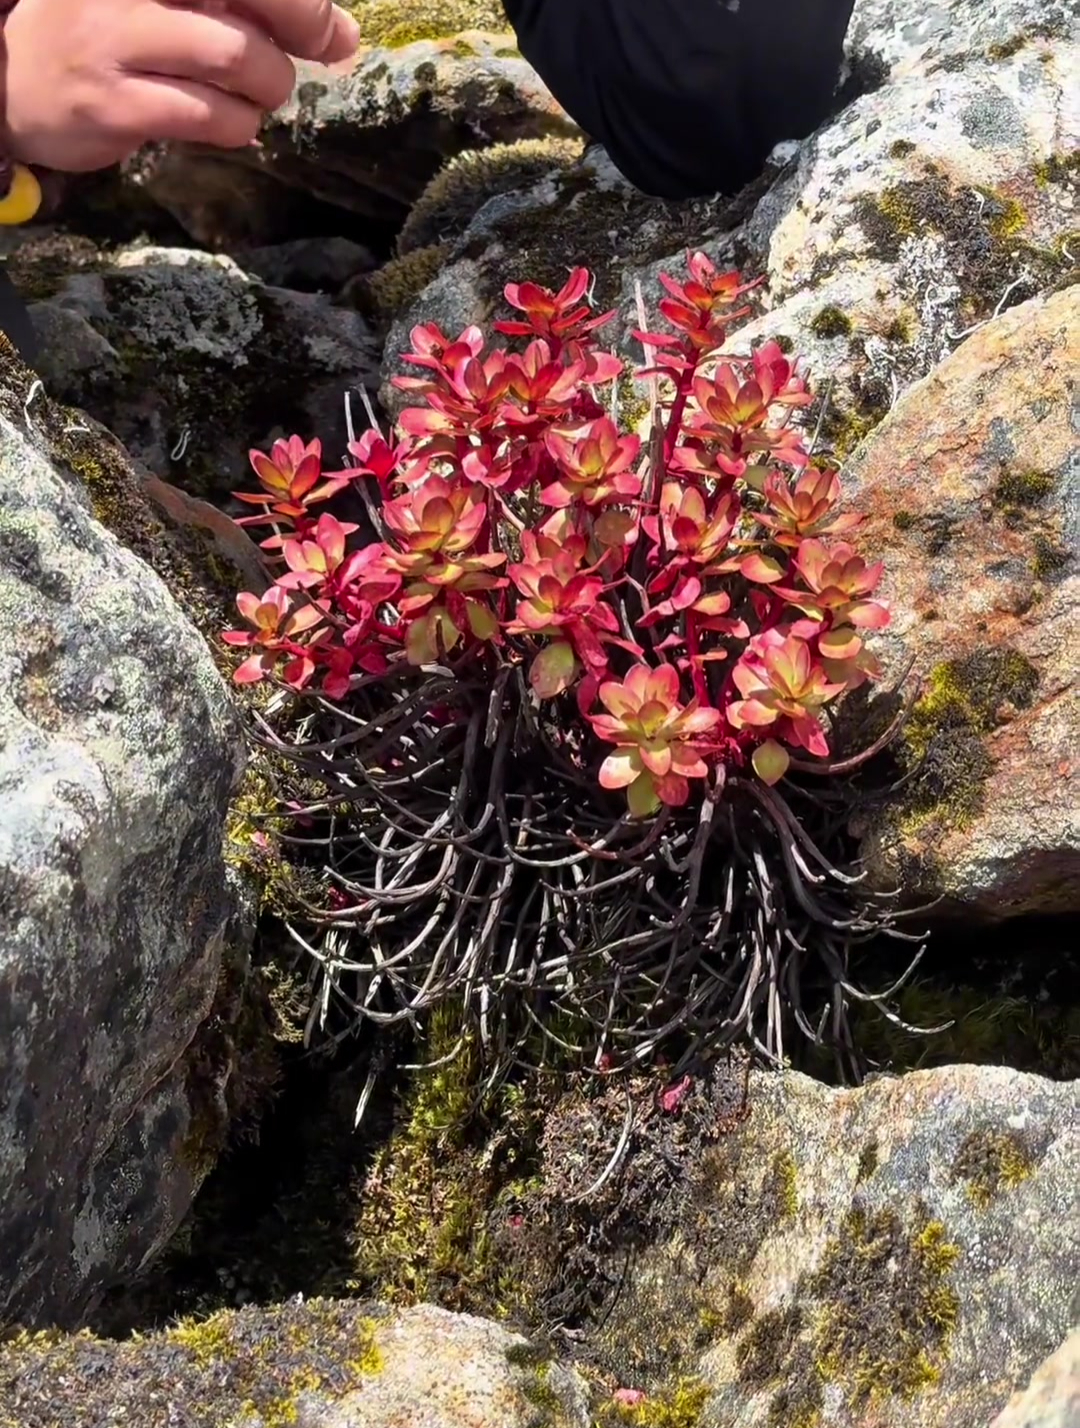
(921, 210)
(971, 490)
(364, 143)
(202, 362)
(949, 34)
(1052, 1398)
(320, 1364)
(900, 1255)
(118, 753)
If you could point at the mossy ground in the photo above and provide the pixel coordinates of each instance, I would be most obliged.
(452, 1168)
(1028, 1031)
(203, 1374)
(396, 23)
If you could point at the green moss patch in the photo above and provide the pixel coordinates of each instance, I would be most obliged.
(1024, 488)
(396, 23)
(888, 1305)
(993, 1161)
(426, 1204)
(831, 322)
(678, 1405)
(980, 1027)
(944, 738)
(1059, 169)
(392, 288)
(875, 1318)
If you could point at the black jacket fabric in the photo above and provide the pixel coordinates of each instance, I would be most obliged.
(688, 96)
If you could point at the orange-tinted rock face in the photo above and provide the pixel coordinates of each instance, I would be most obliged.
(972, 493)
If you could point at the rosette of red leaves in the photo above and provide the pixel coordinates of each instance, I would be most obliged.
(557, 618)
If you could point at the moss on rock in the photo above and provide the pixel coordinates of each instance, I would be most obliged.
(388, 291)
(831, 322)
(944, 738)
(993, 1161)
(982, 230)
(888, 1305)
(40, 266)
(234, 1365)
(396, 23)
(446, 206)
(605, 228)
(1023, 488)
(680, 1404)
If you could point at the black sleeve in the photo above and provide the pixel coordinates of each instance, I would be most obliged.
(687, 96)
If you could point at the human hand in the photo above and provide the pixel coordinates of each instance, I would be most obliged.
(88, 82)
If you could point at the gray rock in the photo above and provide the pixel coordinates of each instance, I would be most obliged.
(118, 753)
(902, 1255)
(1052, 1398)
(210, 362)
(948, 33)
(308, 264)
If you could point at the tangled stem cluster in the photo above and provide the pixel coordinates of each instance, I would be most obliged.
(558, 617)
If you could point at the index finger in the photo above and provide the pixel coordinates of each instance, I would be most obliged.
(316, 30)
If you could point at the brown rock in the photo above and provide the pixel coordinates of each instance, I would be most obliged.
(971, 489)
(1052, 1398)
